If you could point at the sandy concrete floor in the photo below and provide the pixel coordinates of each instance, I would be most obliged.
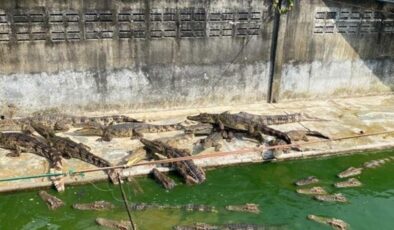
(344, 117)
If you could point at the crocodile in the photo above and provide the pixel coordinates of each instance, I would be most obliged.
(377, 163)
(144, 206)
(70, 149)
(204, 226)
(199, 129)
(337, 224)
(312, 191)
(279, 119)
(238, 123)
(134, 130)
(52, 201)
(252, 208)
(307, 181)
(186, 207)
(96, 205)
(190, 172)
(295, 135)
(114, 224)
(244, 226)
(212, 140)
(167, 182)
(60, 122)
(198, 208)
(352, 171)
(22, 142)
(351, 182)
(197, 226)
(337, 197)
(298, 135)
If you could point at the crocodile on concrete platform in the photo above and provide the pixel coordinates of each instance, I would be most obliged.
(70, 149)
(192, 173)
(130, 129)
(352, 171)
(312, 191)
(21, 142)
(298, 135)
(295, 135)
(212, 140)
(52, 201)
(307, 181)
(351, 182)
(96, 205)
(333, 222)
(238, 123)
(114, 224)
(199, 129)
(252, 208)
(337, 197)
(60, 122)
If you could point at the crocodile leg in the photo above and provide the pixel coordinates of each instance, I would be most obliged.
(137, 134)
(230, 136)
(217, 146)
(16, 152)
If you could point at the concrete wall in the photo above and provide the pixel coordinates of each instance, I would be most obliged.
(158, 54)
(142, 54)
(330, 49)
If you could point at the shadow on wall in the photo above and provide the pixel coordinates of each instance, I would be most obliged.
(368, 27)
(350, 50)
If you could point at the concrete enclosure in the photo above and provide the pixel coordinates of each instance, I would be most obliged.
(158, 54)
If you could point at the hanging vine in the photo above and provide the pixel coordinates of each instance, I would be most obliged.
(283, 8)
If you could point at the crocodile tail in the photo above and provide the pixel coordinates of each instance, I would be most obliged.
(306, 117)
(288, 118)
(273, 132)
(172, 127)
(317, 134)
(124, 118)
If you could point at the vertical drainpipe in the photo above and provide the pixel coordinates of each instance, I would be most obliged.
(274, 42)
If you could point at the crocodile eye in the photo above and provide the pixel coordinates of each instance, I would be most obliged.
(2, 117)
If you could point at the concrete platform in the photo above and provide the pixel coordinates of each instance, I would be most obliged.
(345, 117)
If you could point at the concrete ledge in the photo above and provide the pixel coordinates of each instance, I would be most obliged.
(346, 117)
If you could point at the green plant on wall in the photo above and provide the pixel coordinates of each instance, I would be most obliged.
(283, 8)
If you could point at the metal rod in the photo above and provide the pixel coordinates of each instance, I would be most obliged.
(126, 203)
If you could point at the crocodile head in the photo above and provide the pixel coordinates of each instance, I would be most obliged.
(43, 130)
(203, 117)
(155, 146)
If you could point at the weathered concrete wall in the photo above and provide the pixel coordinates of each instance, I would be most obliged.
(133, 54)
(329, 49)
(158, 54)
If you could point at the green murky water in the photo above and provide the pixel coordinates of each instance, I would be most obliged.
(270, 185)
